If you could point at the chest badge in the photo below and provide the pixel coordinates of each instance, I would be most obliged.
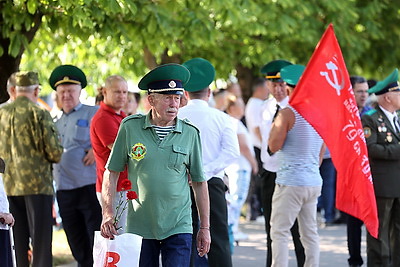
(138, 151)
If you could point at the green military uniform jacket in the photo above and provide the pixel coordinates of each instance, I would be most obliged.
(29, 144)
(158, 171)
(383, 145)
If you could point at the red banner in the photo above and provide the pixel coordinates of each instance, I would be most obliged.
(325, 98)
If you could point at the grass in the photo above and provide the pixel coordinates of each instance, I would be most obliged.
(61, 251)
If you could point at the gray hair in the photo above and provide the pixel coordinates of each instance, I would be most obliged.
(11, 82)
(29, 88)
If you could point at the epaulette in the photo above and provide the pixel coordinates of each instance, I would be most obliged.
(370, 112)
(131, 117)
(188, 122)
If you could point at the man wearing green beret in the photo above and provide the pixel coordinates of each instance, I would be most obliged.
(75, 175)
(161, 152)
(381, 130)
(220, 147)
(298, 181)
(269, 110)
(29, 144)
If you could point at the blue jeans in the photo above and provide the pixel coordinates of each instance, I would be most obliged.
(175, 251)
(239, 182)
(328, 195)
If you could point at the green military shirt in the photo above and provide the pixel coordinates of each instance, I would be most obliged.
(29, 144)
(158, 171)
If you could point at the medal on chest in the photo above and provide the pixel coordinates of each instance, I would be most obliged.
(389, 137)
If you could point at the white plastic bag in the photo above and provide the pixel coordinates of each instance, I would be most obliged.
(123, 251)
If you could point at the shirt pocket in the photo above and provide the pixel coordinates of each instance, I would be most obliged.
(178, 158)
(82, 131)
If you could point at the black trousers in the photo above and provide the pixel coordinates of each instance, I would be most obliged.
(80, 212)
(220, 252)
(5, 249)
(268, 186)
(385, 251)
(33, 219)
(354, 239)
(254, 196)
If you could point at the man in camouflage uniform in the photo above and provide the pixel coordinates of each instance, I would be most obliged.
(29, 145)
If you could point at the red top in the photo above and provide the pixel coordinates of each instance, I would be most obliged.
(103, 131)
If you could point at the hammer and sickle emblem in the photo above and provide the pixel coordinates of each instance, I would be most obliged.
(335, 83)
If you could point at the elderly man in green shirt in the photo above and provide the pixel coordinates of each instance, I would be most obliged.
(161, 152)
(29, 144)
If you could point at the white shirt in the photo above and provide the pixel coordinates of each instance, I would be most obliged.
(4, 208)
(219, 141)
(253, 118)
(390, 116)
(270, 163)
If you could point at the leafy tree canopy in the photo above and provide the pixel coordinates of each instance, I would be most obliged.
(129, 37)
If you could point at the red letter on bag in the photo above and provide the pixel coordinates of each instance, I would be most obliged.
(115, 259)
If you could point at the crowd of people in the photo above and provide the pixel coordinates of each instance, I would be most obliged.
(198, 160)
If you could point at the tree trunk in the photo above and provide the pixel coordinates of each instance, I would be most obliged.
(149, 59)
(245, 78)
(8, 65)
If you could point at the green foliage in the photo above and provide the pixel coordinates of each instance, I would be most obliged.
(104, 37)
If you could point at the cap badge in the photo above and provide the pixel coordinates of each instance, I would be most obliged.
(138, 151)
(66, 78)
(172, 84)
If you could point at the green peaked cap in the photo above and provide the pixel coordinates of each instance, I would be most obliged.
(389, 84)
(67, 74)
(165, 79)
(272, 69)
(202, 73)
(292, 73)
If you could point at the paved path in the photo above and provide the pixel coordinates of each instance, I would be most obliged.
(252, 253)
(333, 246)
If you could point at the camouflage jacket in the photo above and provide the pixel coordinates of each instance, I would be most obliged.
(29, 144)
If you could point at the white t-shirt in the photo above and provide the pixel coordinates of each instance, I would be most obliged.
(253, 118)
(242, 163)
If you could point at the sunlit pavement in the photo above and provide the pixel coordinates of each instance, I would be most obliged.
(333, 246)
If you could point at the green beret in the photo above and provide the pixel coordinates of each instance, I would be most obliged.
(202, 73)
(291, 74)
(272, 69)
(165, 79)
(389, 84)
(26, 78)
(68, 74)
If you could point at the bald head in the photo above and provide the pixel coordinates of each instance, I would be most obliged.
(115, 92)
